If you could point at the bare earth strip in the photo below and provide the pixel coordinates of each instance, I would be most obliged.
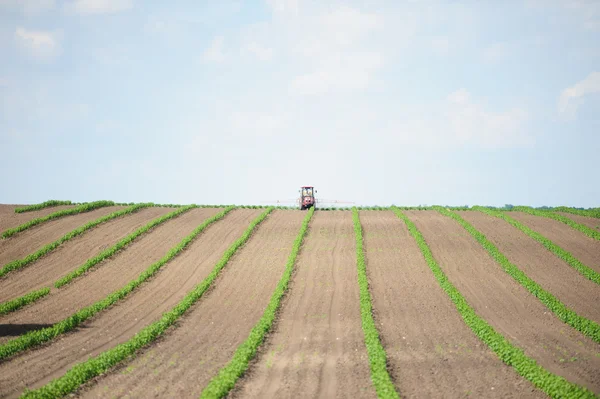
(317, 346)
(541, 265)
(74, 253)
(506, 305)
(431, 352)
(9, 219)
(182, 362)
(30, 240)
(592, 223)
(110, 275)
(119, 323)
(584, 248)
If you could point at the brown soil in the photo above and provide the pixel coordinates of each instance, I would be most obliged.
(317, 347)
(207, 336)
(431, 352)
(74, 253)
(584, 248)
(541, 265)
(10, 219)
(110, 275)
(119, 323)
(592, 223)
(508, 306)
(32, 239)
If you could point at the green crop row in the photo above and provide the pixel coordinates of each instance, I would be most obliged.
(20, 263)
(95, 366)
(553, 385)
(119, 246)
(577, 226)
(220, 385)
(123, 243)
(377, 356)
(46, 204)
(65, 212)
(38, 337)
(588, 272)
(592, 213)
(11, 306)
(585, 326)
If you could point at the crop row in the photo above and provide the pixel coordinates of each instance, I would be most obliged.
(566, 256)
(38, 337)
(65, 212)
(377, 357)
(226, 378)
(585, 326)
(30, 297)
(577, 226)
(95, 366)
(20, 263)
(37, 207)
(593, 213)
(553, 385)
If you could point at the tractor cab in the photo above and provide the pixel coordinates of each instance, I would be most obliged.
(307, 197)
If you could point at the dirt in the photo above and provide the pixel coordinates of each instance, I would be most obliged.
(317, 346)
(431, 352)
(119, 323)
(32, 239)
(74, 253)
(207, 336)
(592, 223)
(541, 265)
(9, 219)
(111, 274)
(506, 305)
(584, 248)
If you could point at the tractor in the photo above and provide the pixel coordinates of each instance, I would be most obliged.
(307, 197)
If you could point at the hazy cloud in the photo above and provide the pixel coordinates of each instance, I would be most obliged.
(91, 7)
(214, 53)
(495, 53)
(42, 45)
(258, 51)
(572, 97)
(29, 6)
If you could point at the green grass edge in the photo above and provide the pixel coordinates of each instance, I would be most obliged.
(121, 245)
(568, 316)
(566, 256)
(227, 376)
(38, 337)
(45, 204)
(551, 384)
(380, 376)
(65, 212)
(83, 372)
(548, 214)
(20, 263)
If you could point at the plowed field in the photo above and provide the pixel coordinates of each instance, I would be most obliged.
(315, 346)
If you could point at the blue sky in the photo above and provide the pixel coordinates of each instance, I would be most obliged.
(375, 102)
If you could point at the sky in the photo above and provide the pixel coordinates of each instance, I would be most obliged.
(242, 102)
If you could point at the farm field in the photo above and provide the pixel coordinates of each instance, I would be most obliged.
(145, 300)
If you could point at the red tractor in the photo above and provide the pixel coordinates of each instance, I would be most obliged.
(307, 197)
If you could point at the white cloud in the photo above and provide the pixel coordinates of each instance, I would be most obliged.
(29, 6)
(284, 6)
(43, 45)
(91, 7)
(258, 51)
(572, 97)
(214, 53)
(440, 44)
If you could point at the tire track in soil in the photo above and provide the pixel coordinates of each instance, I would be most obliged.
(74, 253)
(32, 239)
(316, 348)
(541, 265)
(110, 275)
(592, 223)
(119, 323)
(431, 352)
(506, 305)
(584, 248)
(9, 219)
(181, 363)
